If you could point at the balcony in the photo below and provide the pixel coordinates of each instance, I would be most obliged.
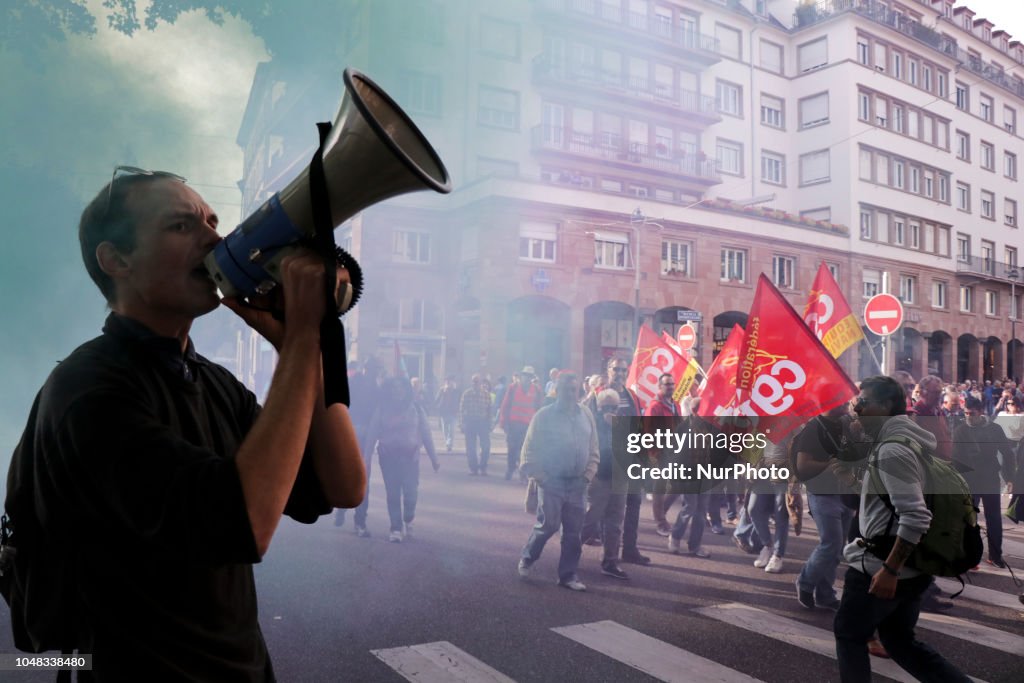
(987, 269)
(808, 15)
(614, 150)
(617, 85)
(619, 19)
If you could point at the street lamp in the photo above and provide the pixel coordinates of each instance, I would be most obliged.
(636, 219)
(1014, 275)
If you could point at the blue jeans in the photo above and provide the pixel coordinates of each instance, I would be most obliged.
(559, 505)
(860, 613)
(771, 500)
(448, 429)
(745, 527)
(695, 507)
(832, 518)
(478, 430)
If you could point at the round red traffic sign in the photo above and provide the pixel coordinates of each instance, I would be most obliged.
(883, 314)
(687, 337)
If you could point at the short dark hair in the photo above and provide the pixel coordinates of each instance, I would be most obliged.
(107, 219)
(973, 403)
(886, 390)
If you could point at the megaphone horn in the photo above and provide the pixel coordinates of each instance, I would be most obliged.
(374, 151)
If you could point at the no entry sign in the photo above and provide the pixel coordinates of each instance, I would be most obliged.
(883, 314)
(687, 337)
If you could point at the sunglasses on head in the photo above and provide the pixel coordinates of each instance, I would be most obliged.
(125, 171)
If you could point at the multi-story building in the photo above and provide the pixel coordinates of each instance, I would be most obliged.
(625, 161)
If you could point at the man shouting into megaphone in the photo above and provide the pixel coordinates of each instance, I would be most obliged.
(148, 479)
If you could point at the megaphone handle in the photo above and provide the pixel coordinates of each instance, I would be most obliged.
(332, 333)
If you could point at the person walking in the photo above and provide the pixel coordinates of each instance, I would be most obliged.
(520, 404)
(475, 422)
(561, 453)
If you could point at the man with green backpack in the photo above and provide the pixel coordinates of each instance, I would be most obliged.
(916, 520)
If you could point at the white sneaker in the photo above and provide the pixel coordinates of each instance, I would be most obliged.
(762, 560)
(395, 537)
(774, 565)
(701, 552)
(673, 545)
(408, 530)
(573, 584)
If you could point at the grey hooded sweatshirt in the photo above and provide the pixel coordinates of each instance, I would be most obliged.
(902, 475)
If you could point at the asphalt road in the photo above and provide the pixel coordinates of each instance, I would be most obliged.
(329, 600)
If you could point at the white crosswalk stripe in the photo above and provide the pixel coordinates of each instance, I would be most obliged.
(652, 656)
(805, 636)
(439, 662)
(978, 594)
(443, 662)
(976, 633)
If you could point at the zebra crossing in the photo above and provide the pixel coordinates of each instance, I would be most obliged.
(443, 662)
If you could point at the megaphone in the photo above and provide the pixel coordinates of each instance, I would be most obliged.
(374, 151)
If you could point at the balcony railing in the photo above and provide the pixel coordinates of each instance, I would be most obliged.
(611, 147)
(807, 15)
(989, 268)
(618, 83)
(616, 15)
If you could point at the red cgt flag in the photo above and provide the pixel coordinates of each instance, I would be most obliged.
(718, 391)
(652, 358)
(785, 376)
(829, 316)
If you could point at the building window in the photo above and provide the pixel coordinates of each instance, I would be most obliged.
(676, 258)
(1010, 212)
(499, 38)
(988, 253)
(772, 166)
(942, 239)
(734, 265)
(915, 235)
(813, 110)
(908, 285)
(420, 92)
(771, 57)
(912, 66)
(985, 109)
(823, 214)
(771, 111)
(963, 146)
(899, 230)
(866, 228)
(988, 156)
(963, 197)
(411, 246)
(537, 241)
(963, 248)
(963, 96)
(729, 156)
(728, 97)
(1011, 257)
(1010, 165)
(1010, 120)
(988, 205)
(897, 173)
(943, 188)
(833, 268)
(729, 40)
(872, 280)
(938, 294)
(991, 302)
(813, 55)
(611, 250)
(814, 167)
(498, 108)
(966, 298)
(897, 65)
(783, 269)
(863, 51)
(864, 106)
